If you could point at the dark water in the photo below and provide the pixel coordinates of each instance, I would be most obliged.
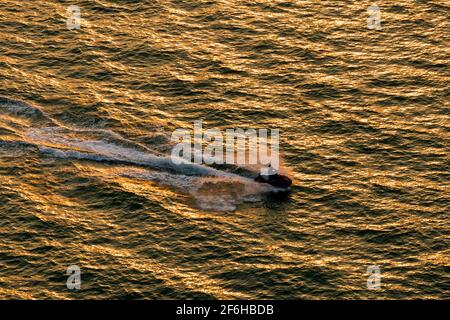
(364, 122)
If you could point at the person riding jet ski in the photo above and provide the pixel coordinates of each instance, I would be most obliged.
(272, 177)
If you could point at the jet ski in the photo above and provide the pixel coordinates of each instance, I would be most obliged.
(276, 180)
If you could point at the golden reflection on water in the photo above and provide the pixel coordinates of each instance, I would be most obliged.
(364, 135)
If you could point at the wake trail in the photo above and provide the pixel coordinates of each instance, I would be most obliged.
(61, 145)
(211, 188)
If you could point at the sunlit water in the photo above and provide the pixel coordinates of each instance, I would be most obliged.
(85, 178)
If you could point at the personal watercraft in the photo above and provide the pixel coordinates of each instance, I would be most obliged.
(276, 180)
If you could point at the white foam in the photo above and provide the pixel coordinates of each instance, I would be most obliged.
(57, 142)
(212, 189)
(210, 193)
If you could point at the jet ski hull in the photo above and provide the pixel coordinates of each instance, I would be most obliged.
(278, 181)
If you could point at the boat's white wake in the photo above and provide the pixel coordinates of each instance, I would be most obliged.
(212, 189)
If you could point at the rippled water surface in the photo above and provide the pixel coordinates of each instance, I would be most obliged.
(85, 124)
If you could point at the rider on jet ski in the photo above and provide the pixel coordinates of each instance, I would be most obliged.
(271, 173)
(271, 176)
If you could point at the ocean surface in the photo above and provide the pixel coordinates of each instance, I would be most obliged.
(86, 117)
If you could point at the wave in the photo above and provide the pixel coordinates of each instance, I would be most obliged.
(24, 110)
